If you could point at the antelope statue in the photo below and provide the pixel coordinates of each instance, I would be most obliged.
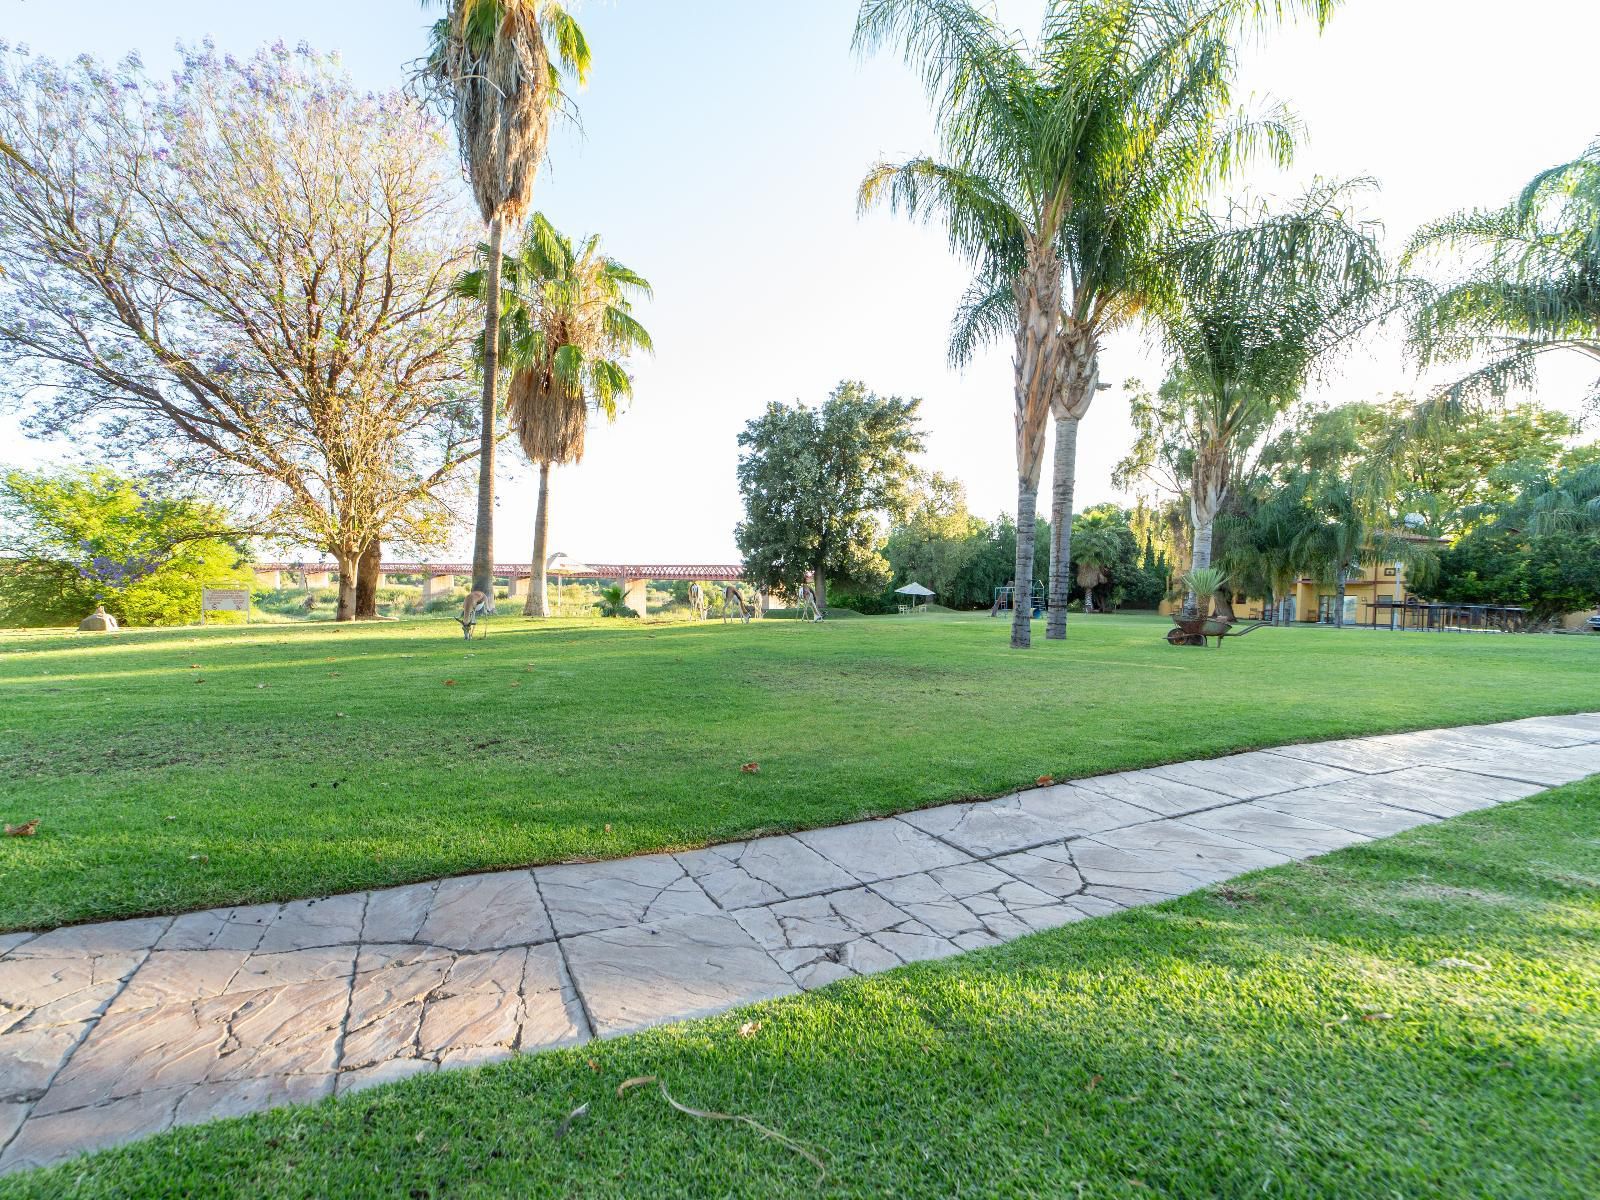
(477, 604)
(733, 602)
(697, 601)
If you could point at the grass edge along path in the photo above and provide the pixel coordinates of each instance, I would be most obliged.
(1416, 1016)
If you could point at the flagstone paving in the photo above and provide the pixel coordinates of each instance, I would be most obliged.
(118, 1030)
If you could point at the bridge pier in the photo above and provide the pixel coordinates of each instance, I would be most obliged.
(272, 580)
(516, 586)
(635, 593)
(317, 579)
(434, 586)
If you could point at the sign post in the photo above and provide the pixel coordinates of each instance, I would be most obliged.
(224, 600)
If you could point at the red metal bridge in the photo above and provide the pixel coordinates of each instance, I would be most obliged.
(440, 578)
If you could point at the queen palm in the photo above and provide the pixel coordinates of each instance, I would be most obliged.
(490, 64)
(1066, 152)
(1525, 281)
(1342, 536)
(1259, 299)
(1098, 544)
(568, 324)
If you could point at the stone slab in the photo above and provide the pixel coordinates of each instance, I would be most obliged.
(641, 975)
(1252, 775)
(586, 897)
(1275, 830)
(763, 871)
(874, 850)
(487, 912)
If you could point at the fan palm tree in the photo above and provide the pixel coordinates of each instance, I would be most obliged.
(568, 324)
(1259, 300)
(1264, 540)
(1526, 281)
(1342, 537)
(490, 63)
(1097, 544)
(1067, 153)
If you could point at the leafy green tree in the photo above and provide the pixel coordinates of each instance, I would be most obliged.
(1259, 300)
(1454, 475)
(1550, 573)
(1103, 547)
(240, 273)
(1517, 282)
(567, 326)
(819, 484)
(490, 65)
(1105, 119)
(77, 539)
(1341, 537)
(937, 542)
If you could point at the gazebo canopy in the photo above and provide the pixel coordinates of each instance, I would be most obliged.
(913, 589)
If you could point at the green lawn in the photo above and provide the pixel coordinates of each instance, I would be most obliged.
(177, 770)
(1418, 1017)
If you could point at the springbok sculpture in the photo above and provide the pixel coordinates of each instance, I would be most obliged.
(697, 601)
(733, 602)
(810, 610)
(477, 604)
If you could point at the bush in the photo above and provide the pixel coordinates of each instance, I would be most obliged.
(865, 604)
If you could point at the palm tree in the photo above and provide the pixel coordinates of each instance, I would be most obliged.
(568, 323)
(1065, 154)
(613, 602)
(1097, 544)
(1259, 300)
(490, 65)
(1342, 537)
(1526, 281)
(1264, 538)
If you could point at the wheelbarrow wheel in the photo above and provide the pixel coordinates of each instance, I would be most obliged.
(1177, 637)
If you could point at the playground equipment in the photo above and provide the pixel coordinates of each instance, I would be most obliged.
(1005, 599)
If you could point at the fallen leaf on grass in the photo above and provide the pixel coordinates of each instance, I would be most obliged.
(261, 685)
(200, 858)
(1045, 780)
(194, 666)
(566, 1122)
(751, 768)
(1377, 1016)
(1094, 1082)
(26, 829)
(199, 680)
(515, 683)
(749, 1029)
(773, 1134)
(608, 826)
(449, 683)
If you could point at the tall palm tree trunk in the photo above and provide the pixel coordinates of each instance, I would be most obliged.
(483, 538)
(1022, 590)
(1063, 482)
(1038, 291)
(538, 602)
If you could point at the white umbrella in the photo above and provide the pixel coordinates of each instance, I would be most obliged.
(914, 590)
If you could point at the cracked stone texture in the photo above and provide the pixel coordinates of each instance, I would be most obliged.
(988, 827)
(585, 897)
(764, 871)
(640, 975)
(486, 912)
(1249, 776)
(117, 1030)
(1274, 830)
(874, 850)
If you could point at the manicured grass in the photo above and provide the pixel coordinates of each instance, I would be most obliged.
(181, 769)
(1418, 1017)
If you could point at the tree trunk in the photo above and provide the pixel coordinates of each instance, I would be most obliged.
(1063, 482)
(1338, 602)
(1038, 295)
(538, 601)
(483, 537)
(347, 587)
(367, 575)
(819, 586)
(1022, 591)
(1200, 557)
(1078, 379)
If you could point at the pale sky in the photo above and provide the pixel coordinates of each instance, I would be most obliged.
(721, 147)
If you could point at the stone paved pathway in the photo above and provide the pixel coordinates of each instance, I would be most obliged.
(114, 1031)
